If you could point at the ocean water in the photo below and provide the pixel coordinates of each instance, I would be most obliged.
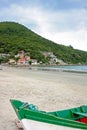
(71, 68)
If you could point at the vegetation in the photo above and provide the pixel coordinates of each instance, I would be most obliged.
(15, 37)
(4, 59)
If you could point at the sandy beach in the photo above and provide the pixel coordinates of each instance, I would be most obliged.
(49, 90)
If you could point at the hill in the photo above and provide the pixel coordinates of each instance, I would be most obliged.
(15, 37)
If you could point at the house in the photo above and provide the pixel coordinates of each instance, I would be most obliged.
(53, 58)
(27, 58)
(23, 58)
(12, 61)
(34, 62)
(21, 61)
(21, 54)
(4, 55)
(46, 54)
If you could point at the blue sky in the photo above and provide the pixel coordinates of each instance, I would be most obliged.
(62, 21)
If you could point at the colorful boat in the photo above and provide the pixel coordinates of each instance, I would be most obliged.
(31, 118)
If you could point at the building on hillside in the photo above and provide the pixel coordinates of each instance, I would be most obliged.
(27, 58)
(53, 58)
(12, 61)
(23, 58)
(4, 55)
(23, 61)
(21, 54)
(46, 54)
(34, 62)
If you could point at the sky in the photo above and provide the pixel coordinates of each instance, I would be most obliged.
(61, 21)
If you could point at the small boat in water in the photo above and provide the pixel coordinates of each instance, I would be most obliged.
(31, 118)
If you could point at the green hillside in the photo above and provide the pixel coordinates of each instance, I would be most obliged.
(15, 37)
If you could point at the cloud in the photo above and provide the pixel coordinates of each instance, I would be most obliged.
(67, 27)
(77, 39)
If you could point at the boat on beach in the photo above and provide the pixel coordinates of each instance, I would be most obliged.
(31, 118)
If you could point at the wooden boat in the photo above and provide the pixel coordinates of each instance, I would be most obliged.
(31, 118)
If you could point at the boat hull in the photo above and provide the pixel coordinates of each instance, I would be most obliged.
(35, 125)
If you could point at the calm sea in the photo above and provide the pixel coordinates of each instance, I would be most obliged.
(80, 68)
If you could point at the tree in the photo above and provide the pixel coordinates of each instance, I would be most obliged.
(30, 62)
(4, 59)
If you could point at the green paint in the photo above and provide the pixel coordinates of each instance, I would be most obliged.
(64, 117)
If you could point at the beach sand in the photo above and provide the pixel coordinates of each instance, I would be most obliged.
(49, 90)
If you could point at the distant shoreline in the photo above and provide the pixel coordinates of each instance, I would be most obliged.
(50, 68)
(58, 70)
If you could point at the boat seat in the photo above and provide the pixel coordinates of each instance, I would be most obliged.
(80, 114)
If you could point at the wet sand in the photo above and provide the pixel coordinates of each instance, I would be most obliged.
(49, 90)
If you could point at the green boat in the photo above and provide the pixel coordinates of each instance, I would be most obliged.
(31, 118)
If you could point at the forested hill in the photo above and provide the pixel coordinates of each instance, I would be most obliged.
(15, 37)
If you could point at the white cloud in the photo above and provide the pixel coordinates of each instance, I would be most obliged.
(64, 27)
(77, 39)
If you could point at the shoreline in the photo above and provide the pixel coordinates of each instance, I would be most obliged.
(59, 70)
(47, 68)
(49, 90)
